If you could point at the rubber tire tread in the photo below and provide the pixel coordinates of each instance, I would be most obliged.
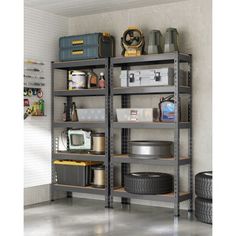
(147, 184)
(203, 185)
(203, 210)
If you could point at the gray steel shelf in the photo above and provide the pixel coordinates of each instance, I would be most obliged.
(149, 90)
(79, 189)
(81, 64)
(149, 125)
(64, 155)
(125, 63)
(70, 65)
(79, 125)
(80, 93)
(169, 197)
(164, 58)
(124, 158)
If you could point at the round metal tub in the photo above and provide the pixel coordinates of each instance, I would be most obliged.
(150, 149)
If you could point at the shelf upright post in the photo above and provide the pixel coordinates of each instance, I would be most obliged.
(125, 138)
(108, 175)
(111, 131)
(190, 143)
(52, 132)
(176, 135)
(68, 115)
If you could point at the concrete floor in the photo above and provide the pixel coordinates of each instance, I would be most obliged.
(85, 217)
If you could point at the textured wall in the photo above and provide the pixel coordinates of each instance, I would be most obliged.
(41, 33)
(192, 18)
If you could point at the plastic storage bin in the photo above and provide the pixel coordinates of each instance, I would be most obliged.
(74, 172)
(87, 46)
(137, 114)
(91, 114)
(79, 40)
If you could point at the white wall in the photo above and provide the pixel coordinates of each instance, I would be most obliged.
(41, 33)
(192, 18)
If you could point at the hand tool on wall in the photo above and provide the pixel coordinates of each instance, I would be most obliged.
(26, 102)
(27, 112)
(39, 93)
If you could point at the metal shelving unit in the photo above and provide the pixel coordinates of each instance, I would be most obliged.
(125, 63)
(66, 155)
(110, 124)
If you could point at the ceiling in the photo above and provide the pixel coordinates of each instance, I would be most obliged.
(71, 8)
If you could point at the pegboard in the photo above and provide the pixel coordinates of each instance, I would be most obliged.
(41, 33)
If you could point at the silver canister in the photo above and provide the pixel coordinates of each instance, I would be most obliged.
(98, 143)
(77, 80)
(98, 176)
(150, 149)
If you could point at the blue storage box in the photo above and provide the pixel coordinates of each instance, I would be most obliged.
(87, 46)
(79, 40)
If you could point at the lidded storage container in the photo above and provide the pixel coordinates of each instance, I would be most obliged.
(77, 173)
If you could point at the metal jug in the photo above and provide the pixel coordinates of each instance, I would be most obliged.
(171, 40)
(155, 42)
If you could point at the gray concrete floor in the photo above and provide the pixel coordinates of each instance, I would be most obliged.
(86, 217)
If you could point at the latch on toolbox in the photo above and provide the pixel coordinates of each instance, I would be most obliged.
(131, 77)
(157, 76)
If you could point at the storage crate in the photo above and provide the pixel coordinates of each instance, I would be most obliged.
(137, 114)
(91, 114)
(88, 46)
(79, 40)
(73, 172)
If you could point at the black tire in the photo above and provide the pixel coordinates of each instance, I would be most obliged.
(203, 185)
(149, 183)
(203, 210)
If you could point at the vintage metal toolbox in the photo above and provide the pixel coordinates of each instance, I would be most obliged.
(150, 77)
(77, 173)
(137, 114)
(88, 46)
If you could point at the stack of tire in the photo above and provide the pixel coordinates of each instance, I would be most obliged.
(148, 183)
(203, 201)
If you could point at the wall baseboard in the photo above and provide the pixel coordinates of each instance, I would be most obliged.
(39, 194)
